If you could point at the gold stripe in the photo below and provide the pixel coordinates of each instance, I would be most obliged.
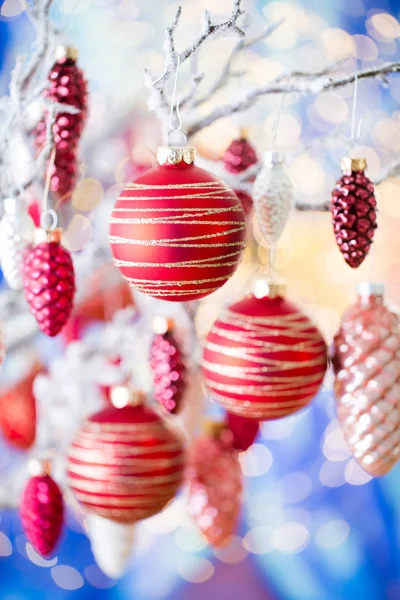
(237, 336)
(199, 211)
(231, 404)
(144, 282)
(121, 502)
(177, 186)
(177, 292)
(96, 456)
(212, 195)
(244, 354)
(141, 482)
(114, 239)
(203, 263)
(261, 390)
(254, 373)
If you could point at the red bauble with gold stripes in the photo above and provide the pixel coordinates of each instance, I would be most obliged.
(177, 232)
(125, 464)
(263, 358)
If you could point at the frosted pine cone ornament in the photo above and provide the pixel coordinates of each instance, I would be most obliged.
(215, 485)
(367, 384)
(16, 236)
(49, 283)
(273, 197)
(353, 208)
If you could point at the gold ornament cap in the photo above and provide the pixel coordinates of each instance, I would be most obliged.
(162, 324)
(122, 395)
(38, 467)
(265, 287)
(353, 164)
(173, 155)
(46, 235)
(66, 52)
(213, 429)
(370, 288)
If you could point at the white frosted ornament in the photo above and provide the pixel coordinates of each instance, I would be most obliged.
(16, 235)
(111, 543)
(273, 197)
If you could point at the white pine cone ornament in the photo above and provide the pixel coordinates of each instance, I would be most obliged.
(111, 544)
(16, 236)
(273, 197)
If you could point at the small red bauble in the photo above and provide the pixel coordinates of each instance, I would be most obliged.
(49, 284)
(125, 464)
(263, 358)
(239, 156)
(18, 411)
(42, 513)
(215, 485)
(177, 232)
(353, 210)
(67, 86)
(244, 431)
(168, 366)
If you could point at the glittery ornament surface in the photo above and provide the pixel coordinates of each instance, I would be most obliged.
(177, 233)
(42, 513)
(273, 199)
(353, 209)
(67, 86)
(215, 488)
(125, 464)
(264, 359)
(49, 284)
(367, 383)
(16, 236)
(169, 371)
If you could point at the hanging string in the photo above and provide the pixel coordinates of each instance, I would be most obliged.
(46, 211)
(355, 128)
(174, 113)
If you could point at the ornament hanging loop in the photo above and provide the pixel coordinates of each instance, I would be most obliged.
(355, 128)
(174, 113)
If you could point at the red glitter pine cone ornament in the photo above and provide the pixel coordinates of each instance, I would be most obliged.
(125, 464)
(215, 485)
(49, 283)
(42, 511)
(176, 232)
(239, 156)
(353, 208)
(168, 366)
(67, 86)
(367, 383)
(263, 358)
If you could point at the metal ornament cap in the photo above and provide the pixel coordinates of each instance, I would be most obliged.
(175, 154)
(274, 158)
(161, 324)
(46, 235)
(266, 287)
(67, 52)
(122, 396)
(368, 288)
(353, 164)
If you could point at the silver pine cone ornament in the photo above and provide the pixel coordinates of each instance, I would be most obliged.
(273, 197)
(16, 236)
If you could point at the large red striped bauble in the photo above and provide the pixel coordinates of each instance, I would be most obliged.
(264, 359)
(177, 232)
(125, 464)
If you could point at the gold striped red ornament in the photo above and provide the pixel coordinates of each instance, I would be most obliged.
(125, 464)
(263, 358)
(176, 232)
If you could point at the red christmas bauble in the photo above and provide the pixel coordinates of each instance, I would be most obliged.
(42, 513)
(263, 358)
(18, 411)
(49, 284)
(239, 156)
(244, 431)
(177, 232)
(125, 464)
(353, 210)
